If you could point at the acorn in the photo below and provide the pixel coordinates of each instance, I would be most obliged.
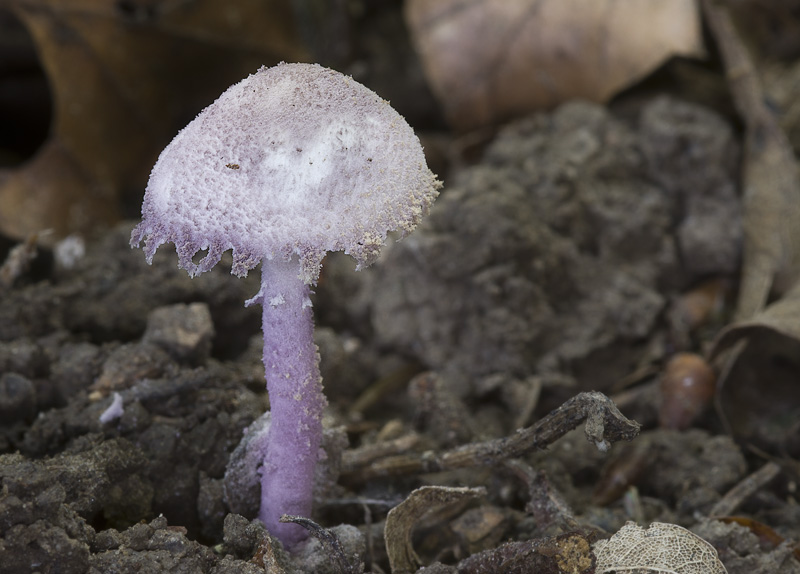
(687, 388)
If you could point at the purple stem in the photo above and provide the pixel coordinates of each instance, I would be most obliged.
(296, 400)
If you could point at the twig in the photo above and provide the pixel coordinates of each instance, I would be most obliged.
(364, 455)
(545, 503)
(604, 425)
(328, 540)
(742, 491)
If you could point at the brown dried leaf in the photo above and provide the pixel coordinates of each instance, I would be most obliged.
(771, 181)
(18, 261)
(125, 77)
(763, 344)
(402, 519)
(767, 537)
(661, 548)
(764, 348)
(488, 61)
(781, 318)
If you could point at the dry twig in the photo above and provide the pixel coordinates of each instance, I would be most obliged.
(749, 485)
(604, 425)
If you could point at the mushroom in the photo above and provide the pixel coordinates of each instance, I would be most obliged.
(290, 163)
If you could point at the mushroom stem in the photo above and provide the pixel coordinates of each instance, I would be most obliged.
(291, 360)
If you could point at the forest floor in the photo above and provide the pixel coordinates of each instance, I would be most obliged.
(562, 262)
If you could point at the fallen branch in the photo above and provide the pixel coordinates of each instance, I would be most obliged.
(604, 425)
(752, 483)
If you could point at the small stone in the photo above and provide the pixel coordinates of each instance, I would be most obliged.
(22, 356)
(128, 365)
(320, 558)
(17, 398)
(77, 366)
(480, 528)
(184, 331)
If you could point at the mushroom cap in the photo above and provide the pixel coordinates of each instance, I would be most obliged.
(293, 160)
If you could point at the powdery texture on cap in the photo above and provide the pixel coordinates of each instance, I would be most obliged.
(295, 159)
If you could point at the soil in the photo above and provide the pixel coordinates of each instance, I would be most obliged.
(552, 266)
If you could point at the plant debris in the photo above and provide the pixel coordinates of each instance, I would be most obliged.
(661, 549)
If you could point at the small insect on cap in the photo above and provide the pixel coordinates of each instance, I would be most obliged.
(295, 159)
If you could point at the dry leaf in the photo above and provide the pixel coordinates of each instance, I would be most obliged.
(488, 61)
(763, 349)
(781, 318)
(661, 548)
(767, 537)
(402, 519)
(771, 182)
(125, 77)
(763, 345)
(18, 261)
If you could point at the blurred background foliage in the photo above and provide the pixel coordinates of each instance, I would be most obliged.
(91, 90)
